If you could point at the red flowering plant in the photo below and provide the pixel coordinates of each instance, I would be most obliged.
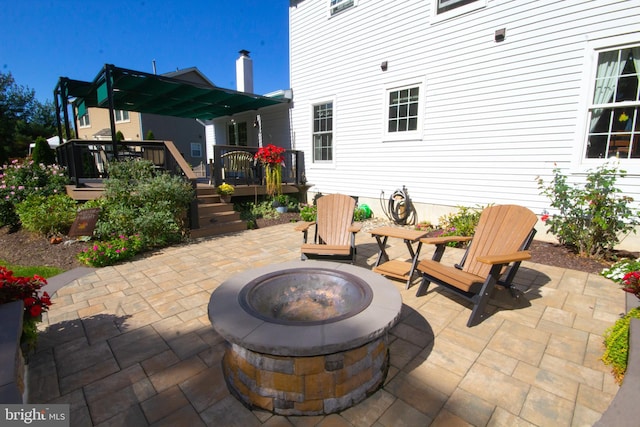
(631, 283)
(272, 159)
(26, 289)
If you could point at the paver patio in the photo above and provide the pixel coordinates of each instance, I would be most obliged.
(131, 345)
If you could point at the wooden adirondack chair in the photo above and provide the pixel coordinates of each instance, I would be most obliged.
(493, 257)
(334, 230)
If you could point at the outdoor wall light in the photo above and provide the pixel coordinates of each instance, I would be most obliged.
(500, 34)
(383, 66)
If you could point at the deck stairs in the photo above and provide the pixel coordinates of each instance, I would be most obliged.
(214, 216)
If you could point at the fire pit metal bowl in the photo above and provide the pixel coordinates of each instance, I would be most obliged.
(305, 338)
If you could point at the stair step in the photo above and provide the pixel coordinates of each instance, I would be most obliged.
(211, 208)
(218, 228)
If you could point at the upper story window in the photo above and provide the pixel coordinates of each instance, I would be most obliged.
(614, 125)
(323, 132)
(121, 116)
(83, 121)
(446, 5)
(337, 6)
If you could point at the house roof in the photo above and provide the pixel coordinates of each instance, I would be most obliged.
(159, 94)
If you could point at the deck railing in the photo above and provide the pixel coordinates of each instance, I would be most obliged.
(292, 170)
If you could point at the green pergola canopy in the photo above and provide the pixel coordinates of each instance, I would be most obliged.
(154, 94)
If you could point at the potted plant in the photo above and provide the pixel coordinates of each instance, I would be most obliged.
(272, 160)
(281, 202)
(225, 191)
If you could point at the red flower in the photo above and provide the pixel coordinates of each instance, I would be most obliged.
(35, 310)
(270, 155)
(45, 299)
(29, 301)
(544, 217)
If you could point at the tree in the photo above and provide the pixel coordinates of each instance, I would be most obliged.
(22, 118)
(150, 136)
(43, 153)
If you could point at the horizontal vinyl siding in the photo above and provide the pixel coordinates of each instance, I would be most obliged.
(495, 116)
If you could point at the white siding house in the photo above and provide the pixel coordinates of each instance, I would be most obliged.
(465, 102)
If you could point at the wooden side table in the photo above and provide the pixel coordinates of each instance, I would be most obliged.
(398, 269)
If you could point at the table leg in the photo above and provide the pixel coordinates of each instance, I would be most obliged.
(414, 262)
(382, 244)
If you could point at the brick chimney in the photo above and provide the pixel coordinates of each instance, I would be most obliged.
(244, 72)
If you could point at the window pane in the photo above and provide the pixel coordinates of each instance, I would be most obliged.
(613, 130)
(403, 110)
(323, 132)
(444, 5)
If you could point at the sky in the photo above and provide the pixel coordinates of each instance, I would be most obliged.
(43, 40)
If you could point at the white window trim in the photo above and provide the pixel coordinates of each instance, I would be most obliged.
(330, 15)
(324, 164)
(407, 135)
(193, 144)
(438, 17)
(122, 121)
(84, 126)
(581, 163)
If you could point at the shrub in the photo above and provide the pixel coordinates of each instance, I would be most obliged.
(18, 180)
(308, 213)
(42, 153)
(111, 252)
(47, 215)
(26, 289)
(616, 342)
(138, 202)
(359, 214)
(460, 223)
(591, 217)
(618, 270)
(424, 226)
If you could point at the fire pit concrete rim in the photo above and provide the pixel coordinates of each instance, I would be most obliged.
(238, 326)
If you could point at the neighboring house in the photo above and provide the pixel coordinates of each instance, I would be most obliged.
(268, 125)
(465, 102)
(187, 134)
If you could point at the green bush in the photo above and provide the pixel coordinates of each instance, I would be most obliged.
(47, 215)
(308, 213)
(137, 202)
(19, 180)
(590, 218)
(42, 153)
(460, 223)
(616, 342)
(111, 252)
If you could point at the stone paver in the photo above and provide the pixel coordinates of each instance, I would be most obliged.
(131, 345)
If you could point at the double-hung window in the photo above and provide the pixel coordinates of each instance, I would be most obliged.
(323, 132)
(83, 120)
(121, 116)
(196, 149)
(614, 125)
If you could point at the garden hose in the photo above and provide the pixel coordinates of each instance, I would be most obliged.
(399, 208)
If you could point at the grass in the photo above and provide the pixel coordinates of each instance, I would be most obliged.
(29, 271)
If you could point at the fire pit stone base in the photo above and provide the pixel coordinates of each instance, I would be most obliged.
(313, 385)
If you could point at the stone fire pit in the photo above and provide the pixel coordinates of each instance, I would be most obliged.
(305, 338)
